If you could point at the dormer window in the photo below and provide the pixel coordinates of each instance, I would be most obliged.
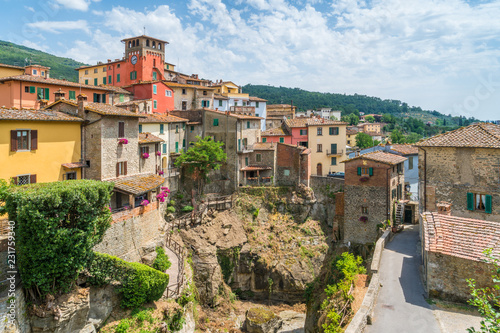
(35, 72)
(43, 73)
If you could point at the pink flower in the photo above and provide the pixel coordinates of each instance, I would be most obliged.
(363, 218)
(158, 153)
(123, 141)
(145, 155)
(160, 172)
(144, 202)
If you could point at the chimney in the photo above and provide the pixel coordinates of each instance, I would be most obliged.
(82, 103)
(109, 60)
(444, 208)
(43, 103)
(59, 94)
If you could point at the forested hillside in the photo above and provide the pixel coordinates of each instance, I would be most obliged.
(60, 68)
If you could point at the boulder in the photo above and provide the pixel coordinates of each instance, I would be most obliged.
(102, 302)
(149, 258)
(262, 320)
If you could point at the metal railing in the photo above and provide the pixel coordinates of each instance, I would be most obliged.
(180, 252)
(245, 149)
(170, 172)
(335, 152)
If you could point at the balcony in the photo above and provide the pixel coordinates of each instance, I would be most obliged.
(245, 149)
(247, 110)
(337, 152)
(170, 172)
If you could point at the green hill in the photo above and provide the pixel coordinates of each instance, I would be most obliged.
(305, 100)
(60, 68)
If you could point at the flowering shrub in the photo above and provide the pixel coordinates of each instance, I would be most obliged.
(145, 155)
(160, 172)
(158, 153)
(163, 194)
(363, 218)
(165, 189)
(144, 202)
(364, 179)
(123, 141)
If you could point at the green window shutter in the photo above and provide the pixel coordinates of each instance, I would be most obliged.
(95, 82)
(487, 207)
(192, 128)
(333, 161)
(47, 94)
(161, 128)
(470, 201)
(282, 140)
(32, 90)
(333, 148)
(248, 124)
(122, 98)
(132, 75)
(39, 93)
(109, 79)
(183, 143)
(104, 80)
(72, 94)
(154, 104)
(359, 171)
(87, 82)
(239, 144)
(154, 89)
(216, 122)
(164, 148)
(104, 98)
(140, 128)
(220, 103)
(154, 75)
(370, 171)
(177, 147)
(246, 161)
(117, 77)
(264, 140)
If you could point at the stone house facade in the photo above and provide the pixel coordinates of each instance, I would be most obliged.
(327, 141)
(276, 113)
(462, 168)
(373, 184)
(194, 125)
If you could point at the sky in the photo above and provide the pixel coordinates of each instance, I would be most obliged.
(439, 55)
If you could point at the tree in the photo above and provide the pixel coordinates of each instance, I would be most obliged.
(487, 299)
(397, 136)
(354, 119)
(201, 158)
(370, 119)
(413, 137)
(363, 140)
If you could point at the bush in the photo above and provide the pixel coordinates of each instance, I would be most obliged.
(172, 203)
(123, 326)
(140, 283)
(57, 225)
(187, 209)
(171, 209)
(161, 262)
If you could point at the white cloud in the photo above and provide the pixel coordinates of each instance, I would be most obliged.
(31, 9)
(34, 45)
(58, 27)
(81, 5)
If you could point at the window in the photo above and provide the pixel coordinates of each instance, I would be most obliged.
(121, 129)
(168, 93)
(161, 128)
(319, 131)
(220, 102)
(122, 98)
(303, 132)
(264, 140)
(154, 76)
(25, 179)
(43, 73)
(394, 194)
(364, 171)
(334, 131)
(183, 143)
(154, 104)
(117, 77)
(27, 89)
(183, 91)
(140, 128)
(42, 93)
(248, 124)
(246, 161)
(216, 122)
(95, 70)
(104, 69)
(204, 93)
(257, 115)
(177, 147)
(23, 140)
(333, 161)
(258, 157)
(256, 104)
(164, 148)
(118, 66)
(333, 148)
(86, 72)
(286, 172)
(133, 75)
(72, 94)
(320, 148)
(87, 82)
(109, 79)
(95, 82)
(176, 128)
(144, 150)
(399, 168)
(70, 176)
(364, 210)
(35, 72)
(410, 162)
(479, 202)
(282, 140)
(192, 129)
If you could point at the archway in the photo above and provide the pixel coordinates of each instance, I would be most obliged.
(319, 169)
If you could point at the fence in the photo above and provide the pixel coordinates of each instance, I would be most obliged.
(179, 251)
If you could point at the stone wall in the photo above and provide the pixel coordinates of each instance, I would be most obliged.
(447, 174)
(151, 164)
(130, 231)
(21, 322)
(288, 158)
(446, 276)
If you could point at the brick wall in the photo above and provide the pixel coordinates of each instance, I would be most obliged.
(452, 172)
(446, 276)
(288, 158)
(131, 230)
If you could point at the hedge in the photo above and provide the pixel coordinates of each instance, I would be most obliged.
(161, 262)
(57, 225)
(139, 283)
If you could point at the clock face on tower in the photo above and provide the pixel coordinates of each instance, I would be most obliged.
(133, 60)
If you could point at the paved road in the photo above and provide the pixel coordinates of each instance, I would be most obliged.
(401, 306)
(173, 271)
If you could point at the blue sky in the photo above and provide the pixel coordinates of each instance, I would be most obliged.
(441, 55)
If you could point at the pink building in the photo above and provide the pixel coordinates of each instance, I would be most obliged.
(276, 135)
(298, 129)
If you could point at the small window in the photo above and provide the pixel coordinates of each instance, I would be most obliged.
(23, 180)
(86, 72)
(87, 82)
(286, 172)
(96, 70)
(246, 161)
(168, 93)
(364, 171)
(264, 140)
(183, 91)
(72, 94)
(144, 150)
(204, 93)
(216, 122)
(109, 79)
(43, 73)
(35, 72)
(479, 202)
(333, 161)
(154, 76)
(303, 132)
(22, 140)
(122, 98)
(164, 148)
(95, 82)
(248, 124)
(121, 129)
(161, 129)
(256, 104)
(154, 104)
(220, 102)
(154, 89)
(410, 162)
(320, 148)
(118, 66)
(258, 157)
(140, 128)
(282, 140)
(70, 176)
(117, 77)
(133, 75)
(364, 210)
(192, 129)
(319, 131)
(104, 69)
(176, 128)
(27, 89)
(334, 131)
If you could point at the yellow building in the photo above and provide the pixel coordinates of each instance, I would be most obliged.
(327, 141)
(94, 75)
(39, 146)
(9, 70)
(370, 128)
(230, 90)
(351, 137)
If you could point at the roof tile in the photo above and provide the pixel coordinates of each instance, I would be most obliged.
(379, 156)
(36, 115)
(482, 135)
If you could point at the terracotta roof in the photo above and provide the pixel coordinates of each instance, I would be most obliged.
(460, 237)
(322, 121)
(36, 115)
(74, 165)
(257, 99)
(146, 137)
(351, 131)
(118, 90)
(138, 184)
(297, 122)
(264, 146)
(306, 151)
(145, 36)
(379, 156)
(183, 85)
(255, 168)
(473, 136)
(134, 102)
(280, 106)
(39, 79)
(157, 118)
(104, 64)
(405, 149)
(11, 66)
(218, 96)
(278, 131)
(239, 116)
(110, 110)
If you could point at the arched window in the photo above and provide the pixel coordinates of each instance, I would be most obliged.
(319, 169)
(137, 42)
(129, 44)
(154, 45)
(133, 43)
(159, 46)
(147, 42)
